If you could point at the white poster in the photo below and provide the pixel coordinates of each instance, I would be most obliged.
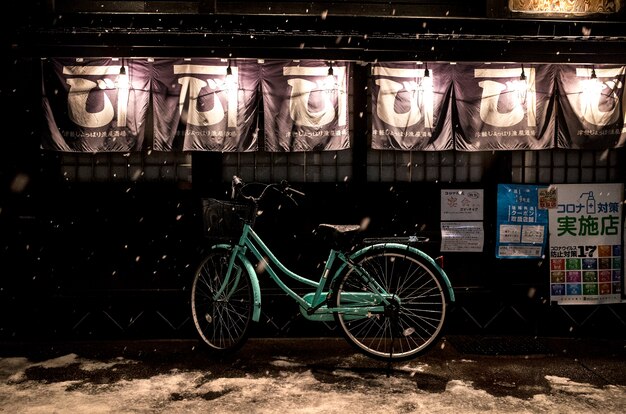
(462, 236)
(461, 204)
(586, 244)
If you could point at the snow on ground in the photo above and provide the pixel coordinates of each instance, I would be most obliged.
(292, 389)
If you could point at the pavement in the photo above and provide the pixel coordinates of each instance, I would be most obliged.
(460, 375)
(502, 366)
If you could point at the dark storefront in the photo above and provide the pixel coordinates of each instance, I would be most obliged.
(102, 242)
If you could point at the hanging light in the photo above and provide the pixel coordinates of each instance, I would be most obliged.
(427, 97)
(330, 82)
(521, 87)
(593, 83)
(229, 80)
(592, 88)
(122, 78)
(122, 83)
(427, 80)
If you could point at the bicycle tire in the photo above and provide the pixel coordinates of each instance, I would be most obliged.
(414, 320)
(223, 325)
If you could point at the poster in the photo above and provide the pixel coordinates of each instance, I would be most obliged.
(461, 220)
(466, 204)
(462, 236)
(522, 221)
(586, 244)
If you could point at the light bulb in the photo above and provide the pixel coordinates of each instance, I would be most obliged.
(330, 82)
(229, 80)
(122, 83)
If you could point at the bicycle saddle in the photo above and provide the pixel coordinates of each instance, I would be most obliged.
(342, 228)
(340, 236)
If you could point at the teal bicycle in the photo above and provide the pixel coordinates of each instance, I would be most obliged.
(388, 298)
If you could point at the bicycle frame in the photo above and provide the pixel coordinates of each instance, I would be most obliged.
(313, 305)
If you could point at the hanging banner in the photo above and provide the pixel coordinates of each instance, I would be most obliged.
(592, 110)
(202, 105)
(504, 107)
(522, 223)
(209, 104)
(411, 106)
(586, 243)
(94, 105)
(305, 105)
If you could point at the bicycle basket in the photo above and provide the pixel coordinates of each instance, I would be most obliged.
(223, 220)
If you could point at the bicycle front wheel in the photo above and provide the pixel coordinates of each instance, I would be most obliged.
(413, 319)
(222, 321)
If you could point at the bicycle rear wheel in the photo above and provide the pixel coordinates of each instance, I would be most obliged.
(411, 323)
(223, 322)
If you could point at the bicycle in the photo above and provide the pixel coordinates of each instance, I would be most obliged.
(389, 298)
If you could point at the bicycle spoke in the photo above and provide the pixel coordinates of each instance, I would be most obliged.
(414, 308)
(222, 322)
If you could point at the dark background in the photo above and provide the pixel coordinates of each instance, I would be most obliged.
(115, 260)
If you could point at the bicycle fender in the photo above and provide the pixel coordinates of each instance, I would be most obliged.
(430, 260)
(254, 281)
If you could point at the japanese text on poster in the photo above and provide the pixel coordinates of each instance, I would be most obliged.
(586, 244)
(464, 236)
(522, 224)
(461, 205)
(461, 220)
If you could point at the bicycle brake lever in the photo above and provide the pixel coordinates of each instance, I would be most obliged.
(292, 199)
(235, 185)
(294, 191)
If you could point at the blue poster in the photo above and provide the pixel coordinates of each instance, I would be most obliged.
(522, 222)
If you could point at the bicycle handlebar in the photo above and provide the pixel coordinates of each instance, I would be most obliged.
(283, 187)
(291, 190)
